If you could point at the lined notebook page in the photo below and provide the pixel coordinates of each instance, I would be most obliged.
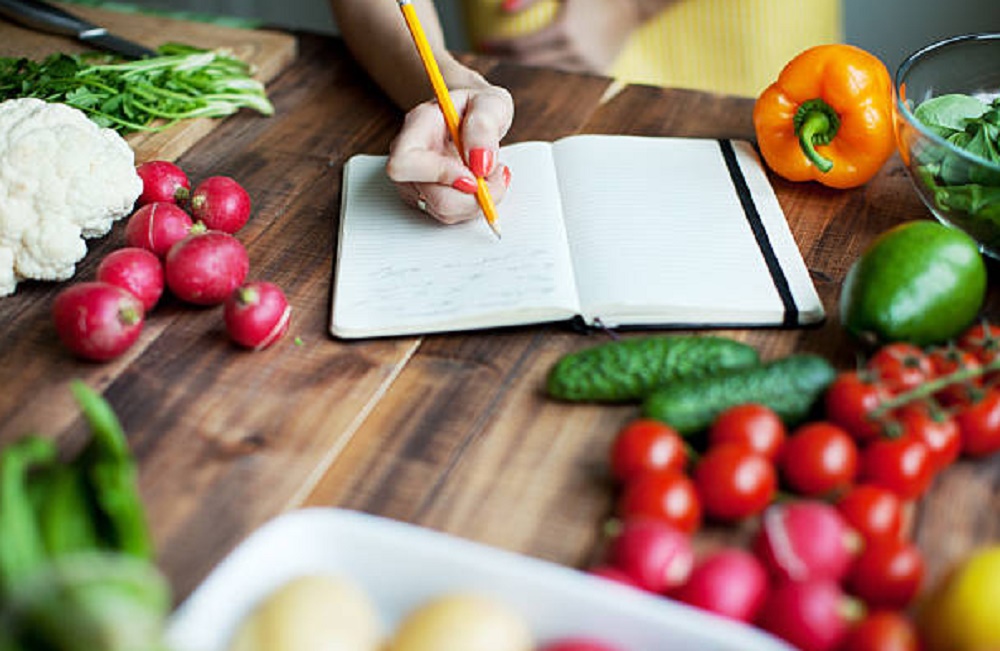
(658, 234)
(399, 271)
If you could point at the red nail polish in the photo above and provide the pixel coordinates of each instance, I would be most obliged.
(481, 161)
(510, 5)
(465, 184)
(506, 176)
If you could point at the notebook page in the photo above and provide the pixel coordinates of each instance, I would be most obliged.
(400, 272)
(658, 234)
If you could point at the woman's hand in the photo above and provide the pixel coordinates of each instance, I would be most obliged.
(585, 36)
(428, 171)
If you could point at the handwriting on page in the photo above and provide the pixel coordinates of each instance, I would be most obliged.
(458, 286)
(398, 268)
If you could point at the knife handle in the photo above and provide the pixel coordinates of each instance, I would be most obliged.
(45, 17)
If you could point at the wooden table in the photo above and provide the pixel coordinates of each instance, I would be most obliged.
(449, 432)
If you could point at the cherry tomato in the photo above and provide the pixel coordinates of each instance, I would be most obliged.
(850, 400)
(948, 360)
(887, 573)
(979, 423)
(818, 458)
(734, 482)
(903, 465)
(983, 341)
(646, 444)
(900, 366)
(754, 425)
(883, 630)
(666, 495)
(873, 511)
(933, 426)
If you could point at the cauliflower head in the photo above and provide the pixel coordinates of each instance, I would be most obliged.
(62, 179)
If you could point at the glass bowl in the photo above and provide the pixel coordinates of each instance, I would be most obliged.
(952, 157)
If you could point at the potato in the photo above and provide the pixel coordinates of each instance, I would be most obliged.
(462, 622)
(311, 613)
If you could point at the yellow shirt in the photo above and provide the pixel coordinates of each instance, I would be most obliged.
(728, 46)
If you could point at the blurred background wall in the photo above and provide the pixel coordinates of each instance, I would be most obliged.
(890, 29)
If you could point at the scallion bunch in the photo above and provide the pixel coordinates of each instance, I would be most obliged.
(180, 83)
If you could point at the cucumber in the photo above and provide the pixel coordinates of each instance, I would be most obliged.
(629, 369)
(790, 386)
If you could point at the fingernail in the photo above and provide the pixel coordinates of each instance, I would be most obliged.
(481, 161)
(510, 5)
(465, 184)
(506, 176)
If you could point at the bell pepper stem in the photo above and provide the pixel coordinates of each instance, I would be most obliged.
(816, 123)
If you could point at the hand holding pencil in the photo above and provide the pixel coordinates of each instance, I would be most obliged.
(479, 160)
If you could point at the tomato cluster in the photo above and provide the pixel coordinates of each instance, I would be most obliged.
(913, 412)
(890, 427)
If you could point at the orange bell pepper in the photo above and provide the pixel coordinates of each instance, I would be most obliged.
(828, 117)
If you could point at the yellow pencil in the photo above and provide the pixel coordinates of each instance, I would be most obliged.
(447, 107)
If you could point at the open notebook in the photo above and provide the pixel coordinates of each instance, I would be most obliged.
(618, 231)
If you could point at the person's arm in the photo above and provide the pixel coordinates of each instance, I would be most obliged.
(377, 36)
(423, 163)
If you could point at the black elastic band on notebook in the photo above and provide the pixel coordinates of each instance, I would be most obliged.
(760, 233)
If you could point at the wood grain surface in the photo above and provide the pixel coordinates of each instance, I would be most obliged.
(451, 432)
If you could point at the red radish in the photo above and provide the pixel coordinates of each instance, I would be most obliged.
(610, 573)
(221, 204)
(257, 314)
(97, 321)
(657, 556)
(205, 268)
(577, 644)
(157, 227)
(803, 540)
(162, 181)
(813, 615)
(730, 582)
(136, 270)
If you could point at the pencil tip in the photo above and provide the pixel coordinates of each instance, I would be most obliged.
(496, 229)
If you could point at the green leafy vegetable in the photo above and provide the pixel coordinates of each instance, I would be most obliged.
(182, 82)
(21, 547)
(75, 552)
(90, 601)
(969, 193)
(108, 464)
(946, 114)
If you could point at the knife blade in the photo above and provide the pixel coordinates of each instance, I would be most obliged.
(44, 17)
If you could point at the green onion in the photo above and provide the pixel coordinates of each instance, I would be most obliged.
(180, 83)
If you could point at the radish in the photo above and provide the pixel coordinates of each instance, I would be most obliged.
(158, 226)
(577, 644)
(808, 539)
(136, 270)
(256, 314)
(221, 204)
(657, 556)
(97, 321)
(730, 582)
(812, 615)
(205, 268)
(162, 181)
